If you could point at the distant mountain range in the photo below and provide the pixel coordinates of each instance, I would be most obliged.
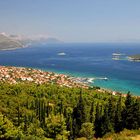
(8, 42)
(43, 41)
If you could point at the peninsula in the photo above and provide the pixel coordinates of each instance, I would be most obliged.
(7, 43)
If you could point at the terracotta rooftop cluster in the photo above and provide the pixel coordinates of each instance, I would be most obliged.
(15, 75)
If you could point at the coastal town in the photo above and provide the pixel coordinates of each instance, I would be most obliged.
(15, 75)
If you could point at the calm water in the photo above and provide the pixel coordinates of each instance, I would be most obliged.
(85, 60)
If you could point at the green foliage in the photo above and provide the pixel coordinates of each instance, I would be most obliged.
(79, 114)
(128, 112)
(7, 129)
(87, 130)
(48, 111)
(55, 127)
(123, 135)
(118, 117)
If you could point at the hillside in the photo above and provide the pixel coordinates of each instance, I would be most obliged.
(6, 43)
(32, 111)
(41, 41)
(48, 109)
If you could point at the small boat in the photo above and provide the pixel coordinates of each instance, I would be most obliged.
(102, 78)
(117, 54)
(61, 53)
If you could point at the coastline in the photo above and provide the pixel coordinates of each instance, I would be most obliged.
(10, 49)
(94, 84)
(14, 75)
(24, 74)
(101, 89)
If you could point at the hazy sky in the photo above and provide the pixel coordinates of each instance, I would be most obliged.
(73, 20)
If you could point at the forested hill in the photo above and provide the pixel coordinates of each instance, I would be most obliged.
(7, 43)
(48, 111)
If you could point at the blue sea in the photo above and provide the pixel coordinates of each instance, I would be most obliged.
(93, 60)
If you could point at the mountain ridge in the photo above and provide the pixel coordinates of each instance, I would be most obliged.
(7, 43)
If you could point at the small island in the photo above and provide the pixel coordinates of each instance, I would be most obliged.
(134, 57)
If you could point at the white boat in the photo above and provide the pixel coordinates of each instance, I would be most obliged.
(61, 53)
(102, 78)
(118, 54)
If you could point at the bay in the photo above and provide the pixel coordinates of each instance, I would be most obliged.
(92, 60)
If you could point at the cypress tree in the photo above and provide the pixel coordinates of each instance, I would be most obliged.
(97, 121)
(128, 112)
(42, 113)
(18, 111)
(61, 107)
(136, 115)
(69, 123)
(106, 124)
(47, 110)
(27, 104)
(118, 116)
(92, 117)
(61, 110)
(79, 113)
(25, 123)
(111, 111)
(39, 109)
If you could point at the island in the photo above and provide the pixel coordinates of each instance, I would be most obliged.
(134, 57)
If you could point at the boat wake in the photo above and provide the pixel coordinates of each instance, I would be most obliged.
(88, 80)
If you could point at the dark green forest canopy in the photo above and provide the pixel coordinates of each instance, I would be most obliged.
(32, 111)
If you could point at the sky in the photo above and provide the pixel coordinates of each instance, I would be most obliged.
(73, 20)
